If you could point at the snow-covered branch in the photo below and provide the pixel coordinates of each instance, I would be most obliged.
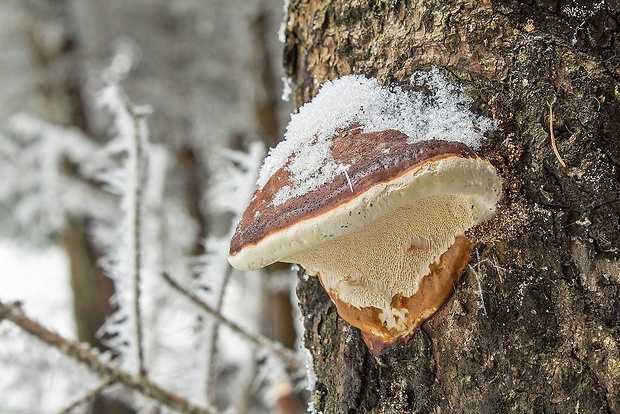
(106, 369)
(235, 178)
(44, 179)
(133, 135)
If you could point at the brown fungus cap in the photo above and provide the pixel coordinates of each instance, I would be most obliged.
(385, 237)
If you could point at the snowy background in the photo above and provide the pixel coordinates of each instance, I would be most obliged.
(152, 109)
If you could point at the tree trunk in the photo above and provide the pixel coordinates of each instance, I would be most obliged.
(548, 336)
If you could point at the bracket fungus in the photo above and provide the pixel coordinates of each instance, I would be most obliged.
(382, 216)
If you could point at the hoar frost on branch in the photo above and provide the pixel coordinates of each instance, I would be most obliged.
(152, 332)
(234, 180)
(128, 267)
(232, 188)
(43, 179)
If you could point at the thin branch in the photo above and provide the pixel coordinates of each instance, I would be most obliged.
(290, 358)
(555, 148)
(131, 127)
(4, 310)
(214, 337)
(108, 370)
(244, 397)
(137, 162)
(88, 396)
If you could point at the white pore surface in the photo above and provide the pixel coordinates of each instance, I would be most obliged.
(391, 255)
(440, 113)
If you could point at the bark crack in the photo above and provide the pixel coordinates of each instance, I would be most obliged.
(593, 375)
(432, 337)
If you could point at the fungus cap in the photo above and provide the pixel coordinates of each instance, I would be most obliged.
(385, 237)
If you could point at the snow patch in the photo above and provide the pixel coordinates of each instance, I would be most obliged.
(287, 88)
(434, 109)
(310, 378)
(285, 22)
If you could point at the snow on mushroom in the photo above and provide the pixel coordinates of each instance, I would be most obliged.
(372, 191)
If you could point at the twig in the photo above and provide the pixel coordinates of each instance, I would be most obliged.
(4, 311)
(131, 127)
(555, 148)
(243, 398)
(136, 162)
(290, 358)
(88, 396)
(108, 370)
(214, 337)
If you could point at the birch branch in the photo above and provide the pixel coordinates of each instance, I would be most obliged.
(108, 370)
(290, 358)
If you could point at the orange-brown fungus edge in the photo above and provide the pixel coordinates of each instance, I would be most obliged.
(434, 290)
(375, 157)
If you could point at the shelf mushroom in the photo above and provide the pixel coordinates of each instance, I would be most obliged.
(382, 225)
(388, 253)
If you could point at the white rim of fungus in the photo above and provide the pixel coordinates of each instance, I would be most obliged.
(443, 113)
(474, 179)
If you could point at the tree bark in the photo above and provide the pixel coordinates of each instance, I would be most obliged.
(548, 337)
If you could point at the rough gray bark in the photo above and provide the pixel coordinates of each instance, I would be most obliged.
(548, 263)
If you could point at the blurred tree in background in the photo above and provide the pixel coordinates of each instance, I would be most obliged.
(142, 197)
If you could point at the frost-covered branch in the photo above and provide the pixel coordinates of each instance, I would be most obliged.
(132, 134)
(44, 181)
(136, 160)
(290, 358)
(108, 370)
(232, 190)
